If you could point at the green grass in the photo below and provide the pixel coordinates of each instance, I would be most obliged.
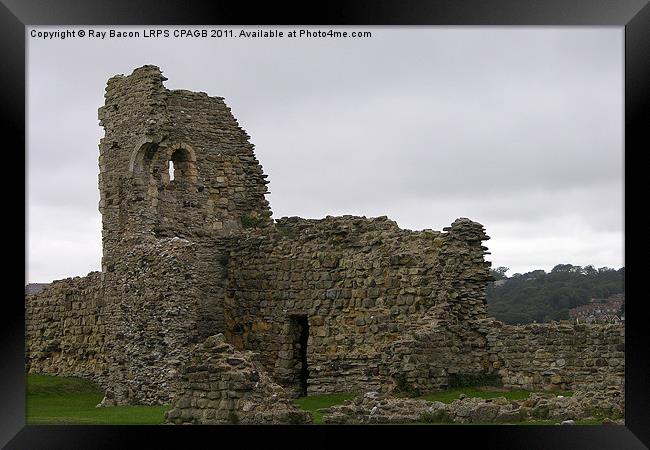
(448, 396)
(315, 402)
(66, 400)
(70, 401)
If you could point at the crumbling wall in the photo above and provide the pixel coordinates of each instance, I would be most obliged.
(362, 284)
(374, 408)
(65, 329)
(221, 385)
(152, 320)
(218, 183)
(218, 186)
(435, 354)
(557, 355)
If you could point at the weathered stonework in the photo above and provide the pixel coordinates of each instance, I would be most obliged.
(65, 328)
(338, 304)
(221, 385)
(373, 408)
(556, 356)
(364, 286)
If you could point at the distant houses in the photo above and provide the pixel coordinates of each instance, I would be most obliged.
(600, 310)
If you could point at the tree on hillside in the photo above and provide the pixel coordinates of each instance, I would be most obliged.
(562, 268)
(540, 296)
(590, 270)
(499, 273)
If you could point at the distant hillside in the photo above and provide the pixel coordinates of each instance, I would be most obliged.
(35, 288)
(538, 296)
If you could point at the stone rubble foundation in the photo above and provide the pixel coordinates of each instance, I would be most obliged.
(373, 408)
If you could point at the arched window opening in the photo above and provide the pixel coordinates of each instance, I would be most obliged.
(182, 166)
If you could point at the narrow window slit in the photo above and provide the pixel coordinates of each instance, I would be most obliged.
(171, 170)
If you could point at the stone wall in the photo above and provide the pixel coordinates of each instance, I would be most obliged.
(557, 355)
(221, 385)
(153, 320)
(65, 329)
(439, 348)
(362, 284)
(218, 183)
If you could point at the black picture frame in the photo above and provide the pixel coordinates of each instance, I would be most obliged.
(15, 15)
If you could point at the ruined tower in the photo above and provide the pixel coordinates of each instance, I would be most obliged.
(177, 176)
(172, 164)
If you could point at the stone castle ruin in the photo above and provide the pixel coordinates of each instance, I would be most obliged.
(194, 266)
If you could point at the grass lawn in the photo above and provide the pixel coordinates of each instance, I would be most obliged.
(315, 402)
(448, 396)
(69, 401)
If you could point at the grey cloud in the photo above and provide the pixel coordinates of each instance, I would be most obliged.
(517, 128)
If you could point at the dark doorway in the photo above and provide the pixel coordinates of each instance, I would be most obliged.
(301, 327)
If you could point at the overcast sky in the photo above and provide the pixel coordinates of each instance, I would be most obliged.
(520, 129)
